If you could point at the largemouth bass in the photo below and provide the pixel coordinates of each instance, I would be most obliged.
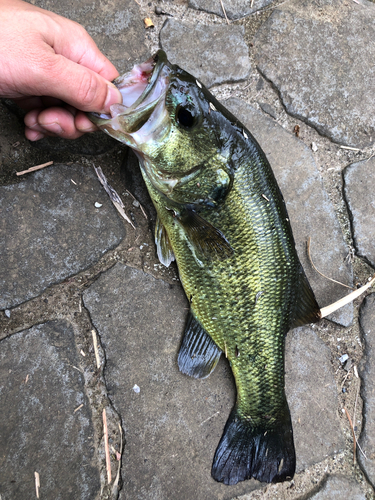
(222, 217)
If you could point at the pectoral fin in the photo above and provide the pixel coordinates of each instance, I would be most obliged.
(163, 245)
(205, 238)
(198, 354)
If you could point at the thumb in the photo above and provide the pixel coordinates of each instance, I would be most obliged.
(79, 86)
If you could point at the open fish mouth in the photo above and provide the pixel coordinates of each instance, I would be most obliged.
(143, 92)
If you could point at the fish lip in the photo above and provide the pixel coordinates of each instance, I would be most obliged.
(159, 60)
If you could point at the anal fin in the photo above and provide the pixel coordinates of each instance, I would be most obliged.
(198, 353)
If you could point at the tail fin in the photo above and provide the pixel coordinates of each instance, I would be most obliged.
(245, 451)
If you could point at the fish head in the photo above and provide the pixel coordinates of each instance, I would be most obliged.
(166, 118)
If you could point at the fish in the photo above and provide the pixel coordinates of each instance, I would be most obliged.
(222, 218)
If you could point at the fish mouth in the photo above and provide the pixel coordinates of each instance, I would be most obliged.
(143, 90)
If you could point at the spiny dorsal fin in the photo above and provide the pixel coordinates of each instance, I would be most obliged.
(163, 245)
(206, 238)
(198, 354)
(306, 309)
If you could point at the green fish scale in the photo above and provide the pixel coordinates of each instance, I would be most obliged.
(244, 301)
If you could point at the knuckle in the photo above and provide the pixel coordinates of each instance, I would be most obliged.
(87, 89)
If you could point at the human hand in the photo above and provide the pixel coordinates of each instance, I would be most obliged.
(52, 68)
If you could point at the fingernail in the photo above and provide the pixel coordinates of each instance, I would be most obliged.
(113, 97)
(35, 137)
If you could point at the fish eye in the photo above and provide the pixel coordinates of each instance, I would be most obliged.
(184, 117)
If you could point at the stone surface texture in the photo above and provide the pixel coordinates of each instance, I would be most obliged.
(234, 9)
(310, 210)
(174, 423)
(316, 55)
(367, 438)
(50, 230)
(213, 54)
(311, 392)
(40, 431)
(359, 196)
(338, 487)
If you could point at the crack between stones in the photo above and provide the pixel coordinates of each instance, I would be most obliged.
(108, 491)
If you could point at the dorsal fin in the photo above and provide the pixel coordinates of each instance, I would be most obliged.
(198, 354)
(206, 238)
(163, 245)
(306, 309)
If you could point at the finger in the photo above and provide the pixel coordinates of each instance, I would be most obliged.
(83, 124)
(85, 53)
(77, 85)
(53, 122)
(32, 135)
(60, 122)
(30, 103)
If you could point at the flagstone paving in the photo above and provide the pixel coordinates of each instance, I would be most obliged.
(72, 272)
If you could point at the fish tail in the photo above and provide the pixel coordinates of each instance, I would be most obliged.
(246, 451)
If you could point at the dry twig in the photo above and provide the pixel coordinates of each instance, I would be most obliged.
(95, 342)
(106, 447)
(37, 483)
(37, 167)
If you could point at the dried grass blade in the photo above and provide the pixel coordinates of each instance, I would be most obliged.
(317, 270)
(114, 197)
(326, 311)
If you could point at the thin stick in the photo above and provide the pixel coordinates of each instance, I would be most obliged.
(356, 399)
(317, 270)
(37, 483)
(354, 439)
(326, 311)
(115, 484)
(37, 167)
(351, 149)
(225, 14)
(78, 408)
(106, 447)
(95, 342)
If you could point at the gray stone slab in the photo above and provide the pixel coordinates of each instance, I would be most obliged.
(50, 229)
(116, 27)
(312, 396)
(367, 372)
(235, 9)
(310, 210)
(213, 54)
(339, 488)
(319, 57)
(174, 423)
(359, 196)
(39, 430)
